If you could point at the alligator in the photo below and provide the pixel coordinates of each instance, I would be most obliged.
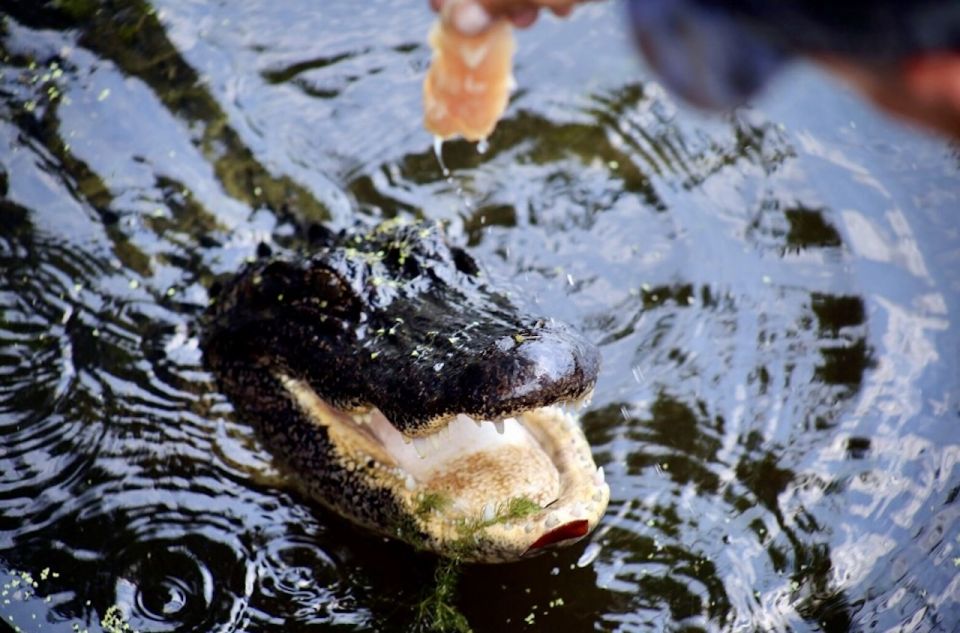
(406, 393)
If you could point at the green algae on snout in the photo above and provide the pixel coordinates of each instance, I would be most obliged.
(436, 610)
(514, 509)
(432, 502)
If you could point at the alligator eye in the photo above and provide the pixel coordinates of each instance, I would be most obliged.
(463, 262)
(273, 281)
(324, 283)
(327, 291)
(278, 269)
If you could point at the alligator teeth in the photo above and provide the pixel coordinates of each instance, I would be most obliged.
(599, 477)
(422, 446)
(487, 512)
(552, 521)
(584, 400)
(499, 426)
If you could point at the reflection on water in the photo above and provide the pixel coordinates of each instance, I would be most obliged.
(774, 294)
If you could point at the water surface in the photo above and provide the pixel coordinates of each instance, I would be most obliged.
(774, 292)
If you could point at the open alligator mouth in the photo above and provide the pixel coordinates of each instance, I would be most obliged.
(492, 489)
(408, 395)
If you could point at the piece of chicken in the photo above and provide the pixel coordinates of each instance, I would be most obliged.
(469, 81)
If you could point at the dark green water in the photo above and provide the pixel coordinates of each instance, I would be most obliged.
(775, 293)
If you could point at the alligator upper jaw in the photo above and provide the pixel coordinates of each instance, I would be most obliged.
(484, 491)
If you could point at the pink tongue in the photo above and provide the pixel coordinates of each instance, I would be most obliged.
(567, 531)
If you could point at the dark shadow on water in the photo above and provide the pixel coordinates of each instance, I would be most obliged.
(129, 34)
(808, 228)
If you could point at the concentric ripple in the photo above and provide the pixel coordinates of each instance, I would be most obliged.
(187, 583)
(304, 582)
(44, 448)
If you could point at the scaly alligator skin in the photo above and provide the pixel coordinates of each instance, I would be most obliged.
(408, 395)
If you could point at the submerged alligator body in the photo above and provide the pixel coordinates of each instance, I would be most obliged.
(408, 395)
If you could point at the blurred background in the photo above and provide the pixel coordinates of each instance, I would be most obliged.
(774, 293)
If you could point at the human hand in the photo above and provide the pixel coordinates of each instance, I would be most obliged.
(472, 17)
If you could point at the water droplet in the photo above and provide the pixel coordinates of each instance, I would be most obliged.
(438, 151)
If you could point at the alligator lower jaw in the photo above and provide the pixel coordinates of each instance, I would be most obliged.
(482, 491)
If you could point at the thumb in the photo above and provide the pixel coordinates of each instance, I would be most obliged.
(467, 17)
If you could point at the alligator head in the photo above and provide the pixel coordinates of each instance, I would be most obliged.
(409, 395)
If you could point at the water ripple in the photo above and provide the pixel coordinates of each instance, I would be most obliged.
(774, 303)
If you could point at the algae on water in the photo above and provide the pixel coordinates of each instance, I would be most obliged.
(437, 611)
